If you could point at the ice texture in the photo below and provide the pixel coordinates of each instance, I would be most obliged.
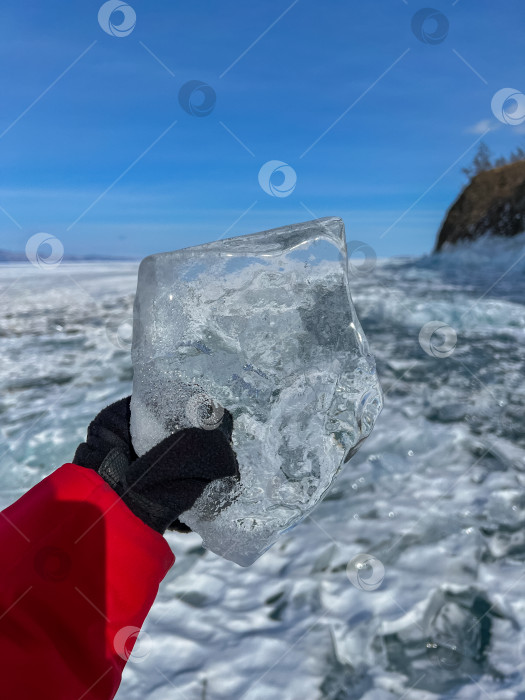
(264, 326)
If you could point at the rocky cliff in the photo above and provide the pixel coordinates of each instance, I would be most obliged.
(492, 203)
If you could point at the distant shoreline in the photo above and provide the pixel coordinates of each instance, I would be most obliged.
(7, 256)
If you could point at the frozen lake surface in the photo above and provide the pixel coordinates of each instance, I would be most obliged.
(435, 496)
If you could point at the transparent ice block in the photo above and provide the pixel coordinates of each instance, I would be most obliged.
(264, 326)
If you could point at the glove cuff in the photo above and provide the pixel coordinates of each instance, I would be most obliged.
(113, 471)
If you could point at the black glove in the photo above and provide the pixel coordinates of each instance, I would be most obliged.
(168, 479)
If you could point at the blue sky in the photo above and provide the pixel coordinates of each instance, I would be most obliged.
(98, 161)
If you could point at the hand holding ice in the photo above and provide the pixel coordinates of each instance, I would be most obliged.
(264, 326)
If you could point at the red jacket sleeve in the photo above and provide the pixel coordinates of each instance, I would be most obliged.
(79, 574)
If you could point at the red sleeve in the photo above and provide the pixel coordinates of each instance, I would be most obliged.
(79, 574)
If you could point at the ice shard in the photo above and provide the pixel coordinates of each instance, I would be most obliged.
(264, 326)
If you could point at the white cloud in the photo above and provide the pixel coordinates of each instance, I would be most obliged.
(482, 126)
